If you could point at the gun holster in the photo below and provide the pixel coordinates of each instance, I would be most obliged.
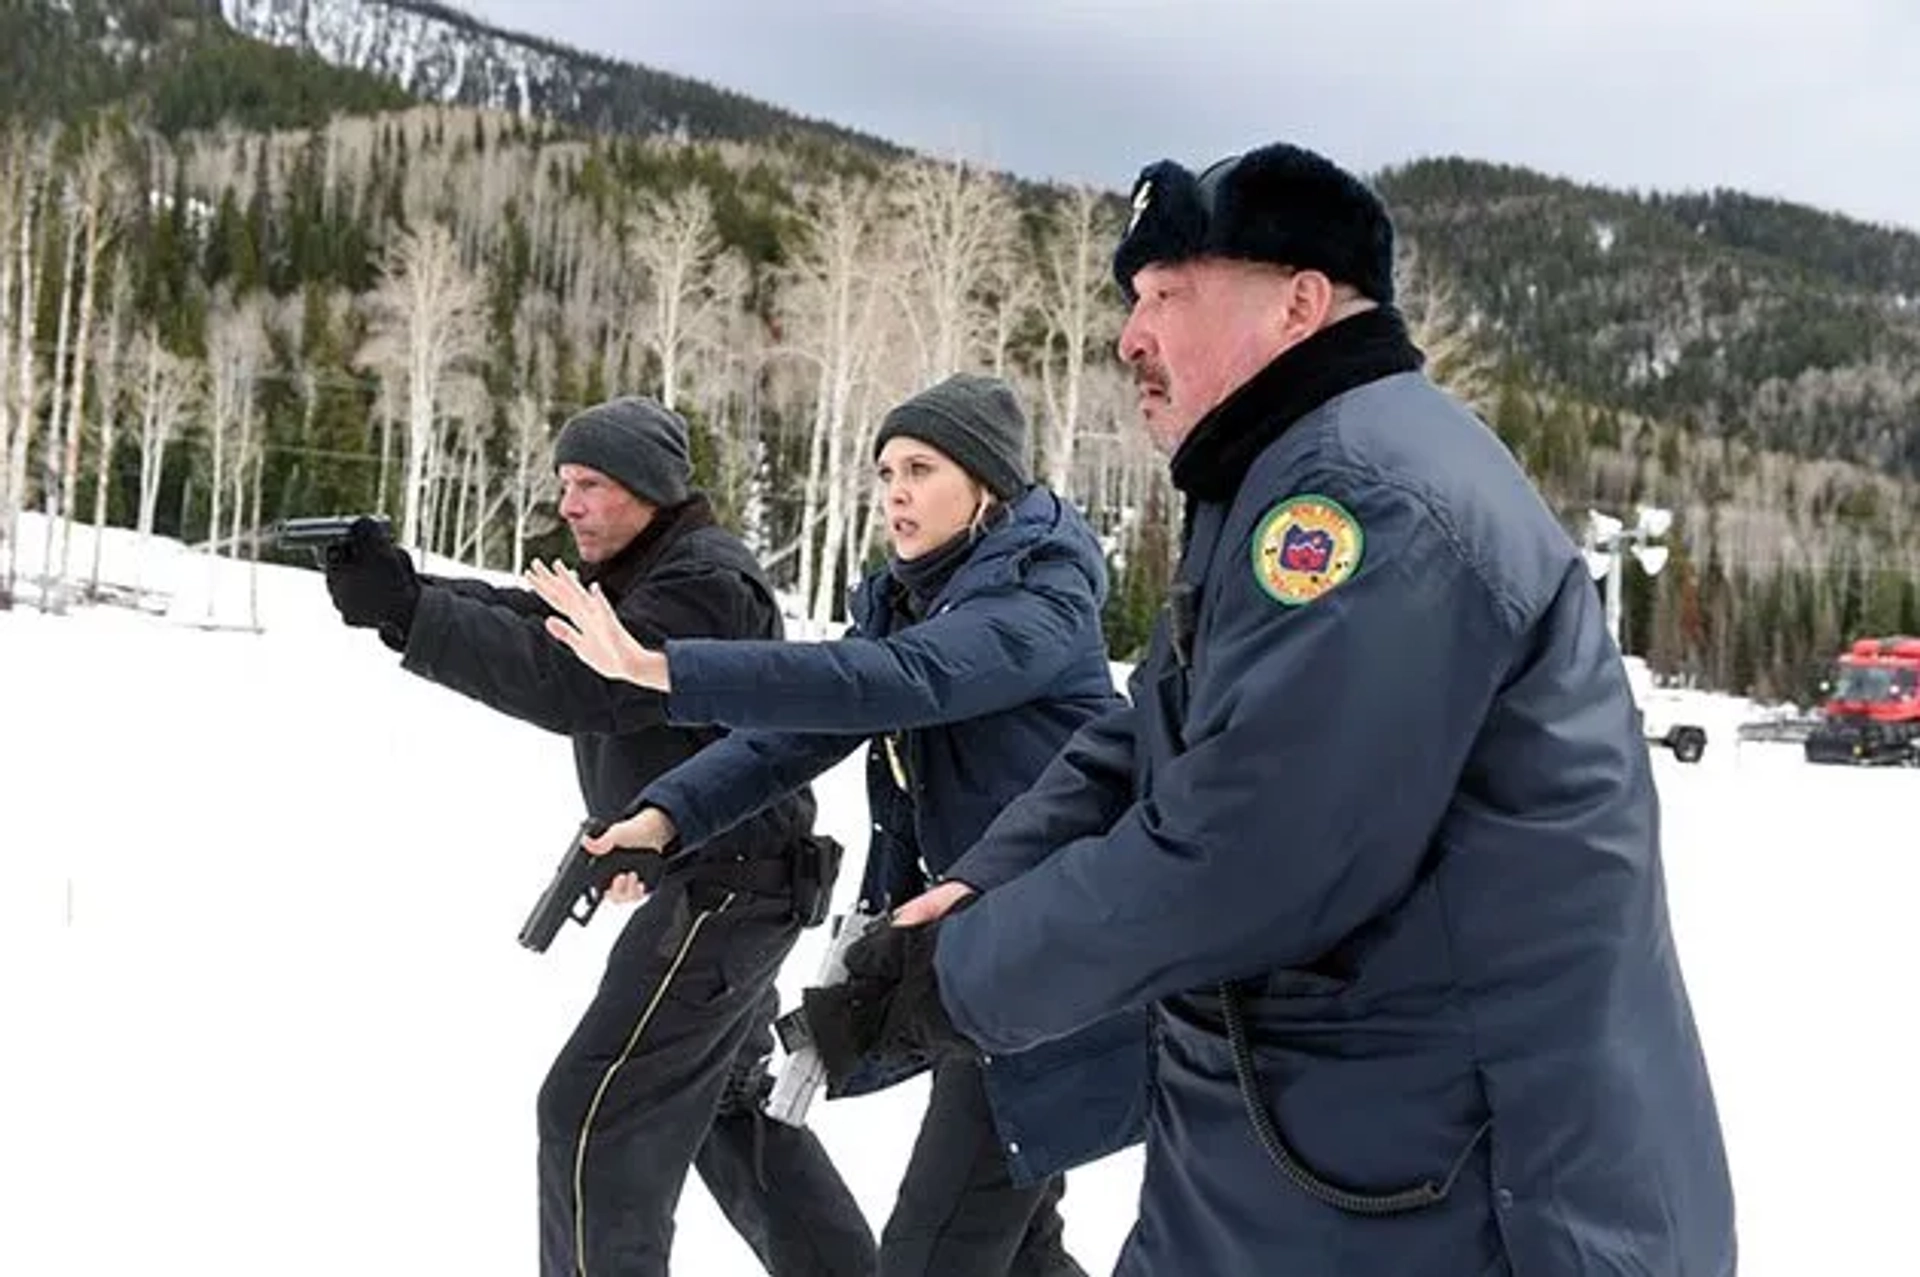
(816, 864)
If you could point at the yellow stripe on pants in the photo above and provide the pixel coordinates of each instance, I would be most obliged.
(606, 1080)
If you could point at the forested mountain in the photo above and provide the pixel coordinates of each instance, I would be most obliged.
(1766, 322)
(439, 54)
(177, 61)
(267, 288)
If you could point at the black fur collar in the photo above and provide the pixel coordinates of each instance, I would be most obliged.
(1374, 344)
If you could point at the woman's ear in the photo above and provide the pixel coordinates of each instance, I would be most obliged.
(983, 503)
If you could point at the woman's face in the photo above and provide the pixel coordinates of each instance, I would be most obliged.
(929, 498)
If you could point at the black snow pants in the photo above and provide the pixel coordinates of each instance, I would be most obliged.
(666, 1069)
(958, 1213)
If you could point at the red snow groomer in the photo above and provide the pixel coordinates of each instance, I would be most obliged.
(1872, 713)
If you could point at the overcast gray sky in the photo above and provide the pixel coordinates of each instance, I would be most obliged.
(1816, 101)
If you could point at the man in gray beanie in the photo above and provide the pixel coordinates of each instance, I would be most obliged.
(667, 1066)
(634, 441)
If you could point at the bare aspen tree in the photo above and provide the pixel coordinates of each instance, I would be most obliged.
(725, 373)
(821, 440)
(532, 479)
(244, 454)
(576, 247)
(13, 158)
(892, 375)
(1012, 295)
(96, 182)
(532, 449)
(108, 374)
(675, 245)
(597, 294)
(607, 306)
(466, 506)
(51, 484)
(433, 505)
(537, 201)
(35, 178)
(726, 347)
(472, 484)
(235, 346)
(259, 469)
(462, 400)
(865, 512)
(1119, 466)
(1441, 326)
(953, 223)
(619, 360)
(169, 389)
(886, 368)
(779, 409)
(286, 320)
(428, 182)
(428, 320)
(831, 304)
(386, 399)
(889, 371)
(430, 504)
(502, 173)
(1078, 319)
(332, 144)
(842, 449)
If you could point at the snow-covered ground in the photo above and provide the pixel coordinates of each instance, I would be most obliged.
(262, 1012)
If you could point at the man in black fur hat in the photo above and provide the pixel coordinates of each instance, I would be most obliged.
(1377, 836)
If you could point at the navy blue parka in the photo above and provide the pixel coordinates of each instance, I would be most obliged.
(1387, 796)
(974, 701)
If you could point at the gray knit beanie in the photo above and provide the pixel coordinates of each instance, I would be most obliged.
(634, 441)
(976, 421)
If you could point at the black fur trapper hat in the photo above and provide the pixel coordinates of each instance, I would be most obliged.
(1282, 204)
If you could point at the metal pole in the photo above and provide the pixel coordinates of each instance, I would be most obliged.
(1615, 598)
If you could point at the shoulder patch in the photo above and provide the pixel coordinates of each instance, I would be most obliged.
(1305, 546)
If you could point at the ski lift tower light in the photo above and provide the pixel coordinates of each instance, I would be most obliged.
(1609, 540)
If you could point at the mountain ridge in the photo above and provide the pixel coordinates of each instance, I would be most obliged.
(439, 53)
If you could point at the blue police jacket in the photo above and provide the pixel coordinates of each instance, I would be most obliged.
(1381, 791)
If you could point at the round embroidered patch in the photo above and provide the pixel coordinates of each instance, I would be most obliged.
(1304, 547)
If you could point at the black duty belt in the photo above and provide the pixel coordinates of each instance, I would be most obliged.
(756, 875)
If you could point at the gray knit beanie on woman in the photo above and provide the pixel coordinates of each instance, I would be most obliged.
(976, 421)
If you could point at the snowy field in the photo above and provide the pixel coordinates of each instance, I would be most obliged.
(262, 1013)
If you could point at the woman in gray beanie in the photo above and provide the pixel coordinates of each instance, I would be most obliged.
(972, 657)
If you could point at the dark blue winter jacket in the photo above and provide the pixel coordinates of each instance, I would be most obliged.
(973, 702)
(1388, 797)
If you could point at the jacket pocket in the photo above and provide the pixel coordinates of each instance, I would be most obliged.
(1297, 982)
(1290, 998)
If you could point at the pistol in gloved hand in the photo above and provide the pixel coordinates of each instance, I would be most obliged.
(888, 1008)
(372, 583)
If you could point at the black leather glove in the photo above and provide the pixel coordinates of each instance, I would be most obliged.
(888, 1010)
(372, 583)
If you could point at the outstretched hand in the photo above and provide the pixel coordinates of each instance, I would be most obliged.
(589, 627)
